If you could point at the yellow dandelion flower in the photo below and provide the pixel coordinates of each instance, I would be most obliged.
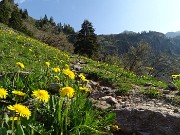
(19, 93)
(174, 76)
(47, 64)
(67, 91)
(57, 77)
(21, 65)
(115, 128)
(69, 73)
(22, 110)
(3, 93)
(83, 78)
(57, 69)
(41, 95)
(84, 89)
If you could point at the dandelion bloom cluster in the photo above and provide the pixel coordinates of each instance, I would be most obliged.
(84, 89)
(69, 73)
(56, 69)
(19, 93)
(3, 93)
(47, 64)
(41, 95)
(21, 65)
(22, 110)
(83, 78)
(67, 91)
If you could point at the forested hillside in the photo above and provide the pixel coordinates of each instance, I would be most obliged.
(151, 49)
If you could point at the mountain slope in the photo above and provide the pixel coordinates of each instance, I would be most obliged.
(172, 34)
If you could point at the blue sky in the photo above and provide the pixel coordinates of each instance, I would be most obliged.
(110, 16)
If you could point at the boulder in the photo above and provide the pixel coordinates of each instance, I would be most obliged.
(148, 121)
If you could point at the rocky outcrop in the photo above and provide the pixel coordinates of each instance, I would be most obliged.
(151, 122)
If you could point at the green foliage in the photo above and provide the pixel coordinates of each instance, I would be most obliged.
(151, 92)
(86, 43)
(4, 13)
(123, 89)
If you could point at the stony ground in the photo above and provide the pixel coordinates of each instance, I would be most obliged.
(136, 112)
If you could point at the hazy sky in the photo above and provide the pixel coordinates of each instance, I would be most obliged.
(110, 16)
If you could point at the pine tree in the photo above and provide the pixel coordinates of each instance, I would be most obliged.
(86, 43)
(25, 14)
(15, 21)
(4, 12)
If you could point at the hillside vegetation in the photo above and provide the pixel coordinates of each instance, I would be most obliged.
(146, 49)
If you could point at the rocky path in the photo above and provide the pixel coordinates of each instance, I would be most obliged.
(138, 114)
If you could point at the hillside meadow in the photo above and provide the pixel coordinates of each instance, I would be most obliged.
(29, 70)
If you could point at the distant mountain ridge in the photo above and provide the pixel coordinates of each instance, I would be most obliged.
(172, 34)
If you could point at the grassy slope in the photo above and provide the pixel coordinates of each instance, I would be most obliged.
(15, 47)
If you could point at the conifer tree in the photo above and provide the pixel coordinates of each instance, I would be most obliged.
(15, 21)
(4, 12)
(86, 43)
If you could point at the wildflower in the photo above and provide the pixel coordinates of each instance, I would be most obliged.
(21, 65)
(84, 89)
(67, 91)
(115, 128)
(175, 76)
(30, 50)
(56, 77)
(3, 93)
(47, 64)
(19, 93)
(56, 69)
(83, 78)
(69, 73)
(22, 110)
(41, 95)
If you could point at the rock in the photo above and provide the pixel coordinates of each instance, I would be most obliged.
(172, 87)
(97, 94)
(165, 91)
(110, 100)
(145, 120)
(144, 133)
(77, 67)
(93, 83)
(176, 110)
(102, 105)
(149, 84)
(53, 88)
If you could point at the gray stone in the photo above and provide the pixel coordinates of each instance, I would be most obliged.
(172, 87)
(77, 67)
(165, 91)
(159, 123)
(110, 100)
(102, 105)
